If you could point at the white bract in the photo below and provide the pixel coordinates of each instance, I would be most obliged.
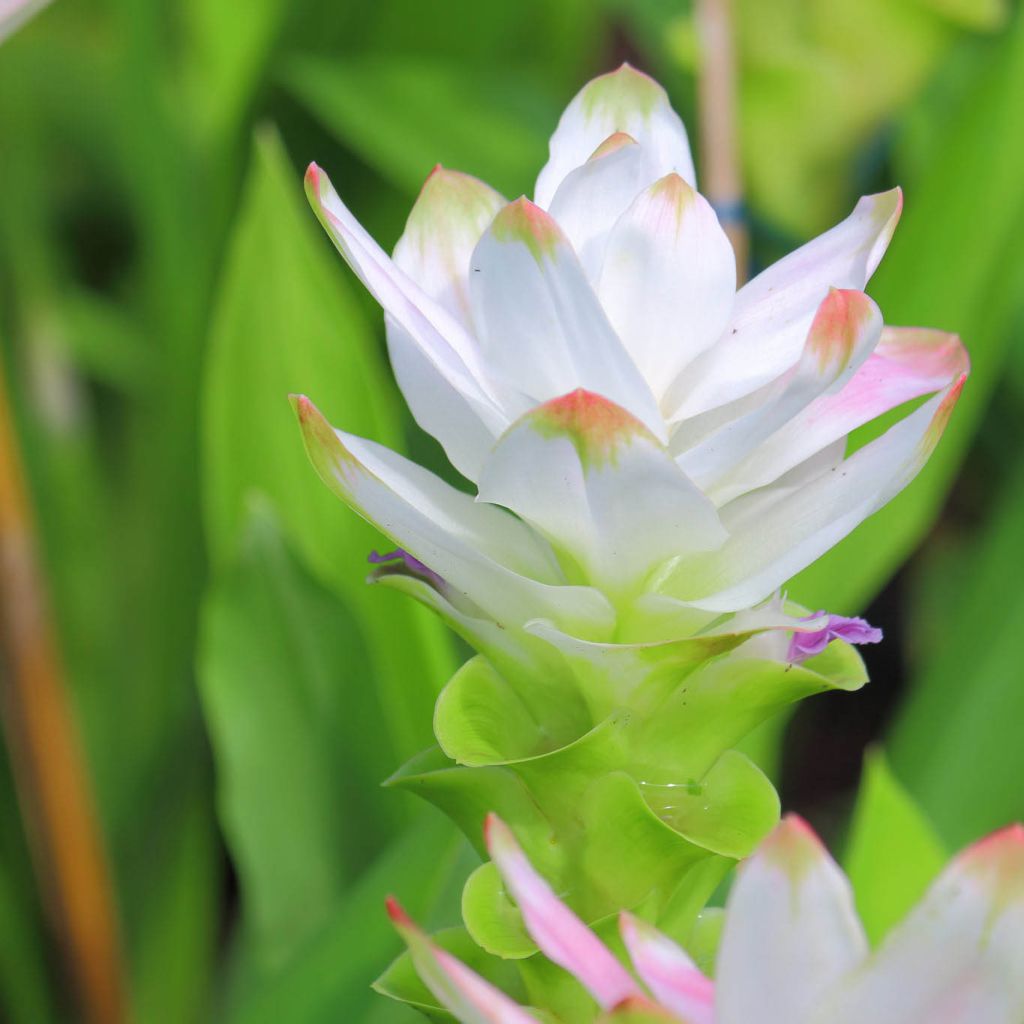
(672, 448)
(792, 949)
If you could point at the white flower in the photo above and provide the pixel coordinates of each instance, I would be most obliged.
(792, 950)
(703, 457)
(672, 449)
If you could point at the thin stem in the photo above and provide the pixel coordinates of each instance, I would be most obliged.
(53, 786)
(721, 181)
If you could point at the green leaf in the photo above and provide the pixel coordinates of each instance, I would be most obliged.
(285, 322)
(328, 980)
(957, 742)
(404, 115)
(297, 735)
(893, 853)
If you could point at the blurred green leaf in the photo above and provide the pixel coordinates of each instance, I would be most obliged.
(104, 341)
(27, 995)
(555, 38)
(174, 952)
(806, 91)
(329, 979)
(957, 739)
(954, 263)
(403, 116)
(226, 58)
(298, 738)
(285, 322)
(893, 853)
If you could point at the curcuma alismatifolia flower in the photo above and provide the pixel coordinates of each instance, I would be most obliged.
(672, 449)
(654, 454)
(792, 949)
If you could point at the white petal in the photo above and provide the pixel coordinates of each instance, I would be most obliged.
(594, 196)
(627, 101)
(773, 539)
(668, 280)
(444, 226)
(846, 328)
(479, 551)
(774, 311)
(957, 958)
(906, 364)
(437, 404)
(468, 996)
(540, 326)
(444, 347)
(673, 978)
(599, 486)
(561, 935)
(790, 931)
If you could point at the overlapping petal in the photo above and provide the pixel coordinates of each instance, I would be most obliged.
(447, 220)
(906, 364)
(846, 328)
(593, 197)
(480, 551)
(774, 311)
(437, 358)
(539, 324)
(625, 101)
(573, 467)
(668, 279)
(779, 530)
(957, 958)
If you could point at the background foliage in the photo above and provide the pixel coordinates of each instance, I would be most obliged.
(239, 691)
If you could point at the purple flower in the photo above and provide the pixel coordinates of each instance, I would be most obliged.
(838, 627)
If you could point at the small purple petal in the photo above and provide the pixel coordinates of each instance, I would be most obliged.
(398, 560)
(838, 627)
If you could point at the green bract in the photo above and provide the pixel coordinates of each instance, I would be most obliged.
(626, 810)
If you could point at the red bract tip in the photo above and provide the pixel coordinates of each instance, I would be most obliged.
(397, 914)
(304, 408)
(489, 823)
(798, 824)
(1005, 838)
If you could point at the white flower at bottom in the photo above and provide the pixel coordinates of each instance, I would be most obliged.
(792, 950)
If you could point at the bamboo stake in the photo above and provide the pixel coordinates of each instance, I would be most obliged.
(721, 180)
(53, 785)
